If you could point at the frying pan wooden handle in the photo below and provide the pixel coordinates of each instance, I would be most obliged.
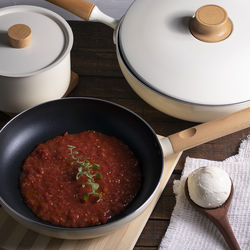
(80, 8)
(209, 131)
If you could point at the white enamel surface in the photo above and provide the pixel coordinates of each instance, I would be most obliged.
(98, 16)
(159, 48)
(18, 94)
(41, 71)
(51, 40)
(209, 187)
(177, 108)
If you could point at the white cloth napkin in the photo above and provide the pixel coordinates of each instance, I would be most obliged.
(188, 229)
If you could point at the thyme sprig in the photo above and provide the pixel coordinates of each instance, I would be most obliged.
(86, 168)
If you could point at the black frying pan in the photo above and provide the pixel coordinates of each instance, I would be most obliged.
(20, 136)
(36, 125)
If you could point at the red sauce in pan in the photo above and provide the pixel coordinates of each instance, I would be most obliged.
(51, 190)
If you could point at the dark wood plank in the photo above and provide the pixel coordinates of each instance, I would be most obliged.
(166, 203)
(164, 208)
(94, 53)
(118, 90)
(152, 233)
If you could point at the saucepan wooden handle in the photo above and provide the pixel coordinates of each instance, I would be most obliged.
(209, 131)
(80, 8)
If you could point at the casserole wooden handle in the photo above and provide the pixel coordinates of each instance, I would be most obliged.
(80, 8)
(209, 131)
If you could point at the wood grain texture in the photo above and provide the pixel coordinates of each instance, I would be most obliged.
(124, 238)
(80, 8)
(152, 226)
(211, 130)
(20, 35)
(94, 59)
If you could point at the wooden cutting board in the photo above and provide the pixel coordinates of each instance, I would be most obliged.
(15, 236)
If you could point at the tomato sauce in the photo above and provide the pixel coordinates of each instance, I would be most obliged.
(78, 180)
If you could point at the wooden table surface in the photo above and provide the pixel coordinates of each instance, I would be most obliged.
(94, 59)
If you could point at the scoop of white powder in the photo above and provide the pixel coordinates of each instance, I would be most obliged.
(209, 187)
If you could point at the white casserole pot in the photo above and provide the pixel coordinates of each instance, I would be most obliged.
(35, 46)
(185, 59)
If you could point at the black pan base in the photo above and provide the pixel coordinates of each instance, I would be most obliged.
(73, 115)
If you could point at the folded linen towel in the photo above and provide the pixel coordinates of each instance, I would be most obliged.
(188, 229)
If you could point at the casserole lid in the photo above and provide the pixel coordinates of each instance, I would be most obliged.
(32, 39)
(187, 51)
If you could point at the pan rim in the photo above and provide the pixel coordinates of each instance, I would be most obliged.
(143, 82)
(126, 218)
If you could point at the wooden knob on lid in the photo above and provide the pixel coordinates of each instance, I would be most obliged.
(19, 35)
(211, 24)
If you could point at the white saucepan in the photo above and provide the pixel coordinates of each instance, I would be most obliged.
(185, 58)
(35, 45)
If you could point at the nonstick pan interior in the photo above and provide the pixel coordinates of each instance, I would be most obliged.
(73, 115)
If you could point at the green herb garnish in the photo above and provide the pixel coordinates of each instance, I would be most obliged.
(86, 168)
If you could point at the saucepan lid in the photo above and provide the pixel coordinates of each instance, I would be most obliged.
(33, 39)
(189, 51)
